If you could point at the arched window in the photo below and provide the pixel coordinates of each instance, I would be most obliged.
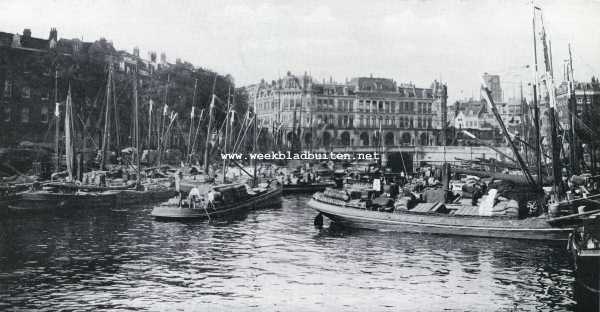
(308, 138)
(345, 138)
(423, 139)
(406, 138)
(364, 138)
(326, 139)
(389, 139)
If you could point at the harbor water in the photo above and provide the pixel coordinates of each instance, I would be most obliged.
(267, 260)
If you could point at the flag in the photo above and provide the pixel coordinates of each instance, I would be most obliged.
(151, 104)
(192, 114)
(232, 117)
(165, 110)
(57, 110)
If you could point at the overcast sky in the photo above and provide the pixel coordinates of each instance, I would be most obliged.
(416, 41)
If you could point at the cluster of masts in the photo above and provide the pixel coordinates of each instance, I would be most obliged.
(232, 142)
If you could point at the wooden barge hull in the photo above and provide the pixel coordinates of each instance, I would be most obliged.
(174, 212)
(532, 228)
(134, 197)
(306, 188)
(47, 201)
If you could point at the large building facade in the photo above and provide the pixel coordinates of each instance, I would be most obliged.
(362, 113)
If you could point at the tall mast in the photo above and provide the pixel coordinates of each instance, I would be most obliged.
(161, 137)
(573, 108)
(68, 135)
(254, 143)
(444, 113)
(536, 108)
(150, 124)
(524, 136)
(208, 129)
(137, 128)
(189, 147)
(56, 122)
(226, 120)
(116, 118)
(106, 135)
(549, 83)
(299, 134)
(208, 133)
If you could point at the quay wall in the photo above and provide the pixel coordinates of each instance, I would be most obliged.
(429, 154)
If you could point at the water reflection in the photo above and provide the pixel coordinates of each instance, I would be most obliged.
(272, 259)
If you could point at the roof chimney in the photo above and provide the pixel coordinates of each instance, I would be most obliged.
(53, 34)
(26, 33)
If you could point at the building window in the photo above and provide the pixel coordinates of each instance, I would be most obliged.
(45, 95)
(7, 88)
(7, 114)
(44, 114)
(26, 92)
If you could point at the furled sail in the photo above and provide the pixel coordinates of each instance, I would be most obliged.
(69, 135)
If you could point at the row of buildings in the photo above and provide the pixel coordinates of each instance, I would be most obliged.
(362, 112)
(301, 112)
(35, 74)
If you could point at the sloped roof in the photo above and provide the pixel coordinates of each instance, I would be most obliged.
(5, 39)
(373, 84)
